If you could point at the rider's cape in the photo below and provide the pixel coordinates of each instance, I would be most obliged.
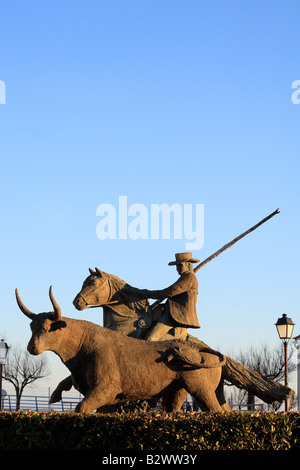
(182, 298)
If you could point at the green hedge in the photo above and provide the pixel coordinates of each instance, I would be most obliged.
(149, 431)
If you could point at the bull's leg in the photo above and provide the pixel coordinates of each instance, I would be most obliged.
(96, 397)
(202, 388)
(106, 409)
(207, 400)
(174, 401)
(221, 398)
(64, 385)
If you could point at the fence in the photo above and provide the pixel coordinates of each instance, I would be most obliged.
(39, 403)
(248, 407)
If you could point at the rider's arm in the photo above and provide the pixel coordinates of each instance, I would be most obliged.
(183, 284)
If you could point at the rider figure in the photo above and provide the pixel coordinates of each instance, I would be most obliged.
(180, 308)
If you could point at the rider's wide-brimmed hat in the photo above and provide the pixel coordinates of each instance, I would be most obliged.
(181, 257)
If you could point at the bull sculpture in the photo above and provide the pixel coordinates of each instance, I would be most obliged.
(108, 367)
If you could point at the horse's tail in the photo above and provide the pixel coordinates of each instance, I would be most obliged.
(189, 356)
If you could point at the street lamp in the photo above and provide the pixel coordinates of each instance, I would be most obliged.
(285, 328)
(3, 354)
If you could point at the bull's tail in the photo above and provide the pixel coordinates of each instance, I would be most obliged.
(190, 356)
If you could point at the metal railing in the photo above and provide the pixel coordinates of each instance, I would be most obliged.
(41, 403)
(38, 403)
(248, 407)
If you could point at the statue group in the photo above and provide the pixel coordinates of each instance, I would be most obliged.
(144, 350)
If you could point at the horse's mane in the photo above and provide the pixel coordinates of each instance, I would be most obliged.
(128, 292)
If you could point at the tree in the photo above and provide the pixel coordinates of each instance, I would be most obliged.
(268, 362)
(22, 369)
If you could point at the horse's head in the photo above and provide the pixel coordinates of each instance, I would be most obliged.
(95, 290)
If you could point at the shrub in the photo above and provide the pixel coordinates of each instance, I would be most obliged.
(149, 431)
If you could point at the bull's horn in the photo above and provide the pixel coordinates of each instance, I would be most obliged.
(57, 311)
(22, 307)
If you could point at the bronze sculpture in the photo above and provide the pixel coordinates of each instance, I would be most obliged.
(108, 367)
(186, 361)
(126, 309)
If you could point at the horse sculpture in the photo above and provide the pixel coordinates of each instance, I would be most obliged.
(126, 310)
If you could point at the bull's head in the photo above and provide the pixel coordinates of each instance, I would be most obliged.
(46, 327)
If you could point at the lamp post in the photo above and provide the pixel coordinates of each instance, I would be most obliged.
(285, 328)
(3, 354)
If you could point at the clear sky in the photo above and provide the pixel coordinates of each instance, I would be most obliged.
(162, 101)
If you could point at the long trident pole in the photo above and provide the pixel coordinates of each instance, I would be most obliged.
(225, 247)
(228, 245)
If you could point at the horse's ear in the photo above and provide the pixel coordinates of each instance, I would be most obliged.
(91, 271)
(100, 273)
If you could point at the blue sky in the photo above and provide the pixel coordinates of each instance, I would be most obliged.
(185, 102)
